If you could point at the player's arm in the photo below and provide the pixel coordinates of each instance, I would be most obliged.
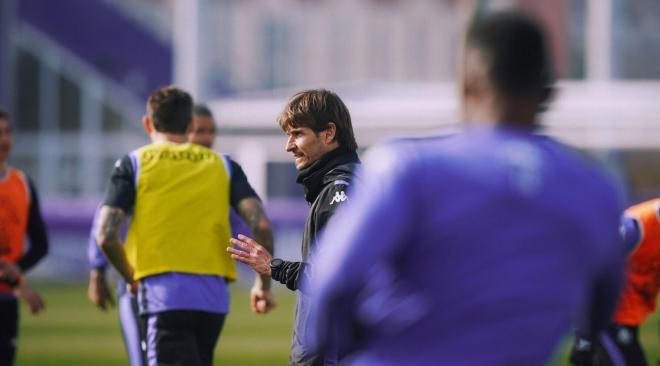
(36, 232)
(109, 225)
(119, 199)
(98, 291)
(252, 212)
(246, 202)
(95, 256)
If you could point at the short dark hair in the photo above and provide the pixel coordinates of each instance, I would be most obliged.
(202, 110)
(170, 109)
(4, 114)
(316, 109)
(514, 48)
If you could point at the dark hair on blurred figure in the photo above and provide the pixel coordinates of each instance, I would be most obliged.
(315, 109)
(515, 50)
(202, 110)
(170, 109)
(4, 114)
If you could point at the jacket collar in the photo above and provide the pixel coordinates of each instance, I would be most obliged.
(312, 177)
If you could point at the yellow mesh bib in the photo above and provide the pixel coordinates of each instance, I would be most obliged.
(180, 221)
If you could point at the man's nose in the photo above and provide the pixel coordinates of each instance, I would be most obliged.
(289, 144)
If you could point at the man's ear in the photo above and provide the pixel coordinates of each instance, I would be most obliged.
(330, 132)
(191, 127)
(147, 125)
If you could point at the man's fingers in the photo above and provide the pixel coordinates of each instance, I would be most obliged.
(242, 244)
(239, 255)
(248, 240)
(238, 252)
(242, 259)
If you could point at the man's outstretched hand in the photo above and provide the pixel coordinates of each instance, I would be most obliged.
(251, 253)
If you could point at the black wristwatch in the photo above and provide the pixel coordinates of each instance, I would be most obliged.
(275, 268)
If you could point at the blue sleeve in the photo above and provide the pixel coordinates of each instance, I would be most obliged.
(630, 231)
(358, 248)
(95, 256)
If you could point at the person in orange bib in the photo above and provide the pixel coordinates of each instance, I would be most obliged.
(19, 216)
(619, 344)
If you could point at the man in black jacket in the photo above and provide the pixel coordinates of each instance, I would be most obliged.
(320, 137)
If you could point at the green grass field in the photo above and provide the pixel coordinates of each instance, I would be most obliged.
(72, 332)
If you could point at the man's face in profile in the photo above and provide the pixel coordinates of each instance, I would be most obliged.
(306, 146)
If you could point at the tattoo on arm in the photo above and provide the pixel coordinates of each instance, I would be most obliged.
(253, 213)
(110, 221)
(109, 226)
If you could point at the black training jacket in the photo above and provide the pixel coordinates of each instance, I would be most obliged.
(326, 184)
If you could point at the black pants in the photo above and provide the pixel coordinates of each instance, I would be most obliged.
(182, 337)
(8, 331)
(619, 342)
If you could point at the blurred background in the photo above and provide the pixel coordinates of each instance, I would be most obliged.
(75, 75)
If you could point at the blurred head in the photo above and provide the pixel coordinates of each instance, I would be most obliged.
(6, 136)
(506, 74)
(169, 110)
(203, 127)
(316, 122)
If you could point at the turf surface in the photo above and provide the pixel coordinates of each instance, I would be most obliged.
(72, 332)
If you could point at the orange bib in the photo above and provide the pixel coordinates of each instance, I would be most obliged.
(638, 298)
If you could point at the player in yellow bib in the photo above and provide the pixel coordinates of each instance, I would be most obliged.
(179, 195)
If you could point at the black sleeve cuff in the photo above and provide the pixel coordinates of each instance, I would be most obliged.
(288, 274)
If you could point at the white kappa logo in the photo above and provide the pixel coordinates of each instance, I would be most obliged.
(339, 197)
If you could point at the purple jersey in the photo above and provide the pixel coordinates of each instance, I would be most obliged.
(482, 248)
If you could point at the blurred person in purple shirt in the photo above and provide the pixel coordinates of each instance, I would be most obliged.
(480, 248)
